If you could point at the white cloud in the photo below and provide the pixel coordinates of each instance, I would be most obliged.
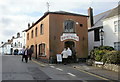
(15, 14)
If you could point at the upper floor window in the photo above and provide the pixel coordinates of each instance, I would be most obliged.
(119, 26)
(41, 29)
(36, 32)
(115, 26)
(32, 34)
(69, 26)
(27, 36)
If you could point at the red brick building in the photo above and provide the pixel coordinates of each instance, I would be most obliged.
(56, 30)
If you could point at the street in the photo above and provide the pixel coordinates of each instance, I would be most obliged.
(14, 69)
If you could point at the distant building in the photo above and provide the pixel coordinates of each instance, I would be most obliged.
(102, 22)
(58, 30)
(6, 48)
(18, 42)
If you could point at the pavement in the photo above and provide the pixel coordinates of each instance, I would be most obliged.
(91, 70)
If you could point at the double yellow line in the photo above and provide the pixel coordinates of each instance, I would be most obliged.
(91, 74)
(39, 63)
(76, 69)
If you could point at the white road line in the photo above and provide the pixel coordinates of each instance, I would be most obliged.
(71, 74)
(52, 66)
(59, 69)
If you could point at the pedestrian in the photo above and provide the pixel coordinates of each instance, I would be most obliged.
(65, 56)
(26, 55)
(23, 53)
(30, 52)
(69, 52)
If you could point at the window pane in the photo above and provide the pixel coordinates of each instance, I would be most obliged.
(69, 26)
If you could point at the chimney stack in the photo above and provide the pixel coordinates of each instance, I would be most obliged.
(13, 37)
(32, 23)
(2, 42)
(18, 35)
(28, 25)
(90, 19)
(8, 40)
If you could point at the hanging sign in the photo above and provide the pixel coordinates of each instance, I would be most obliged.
(69, 36)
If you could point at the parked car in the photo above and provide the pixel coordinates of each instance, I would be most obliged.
(20, 52)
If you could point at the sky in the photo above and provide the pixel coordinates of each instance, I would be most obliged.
(16, 14)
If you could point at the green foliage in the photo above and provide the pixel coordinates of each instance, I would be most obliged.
(106, 48)
(112, 57)
(98, 53)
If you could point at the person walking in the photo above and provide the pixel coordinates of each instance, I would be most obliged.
(30, 52)
(69, 52)
(26, 55)
(65, 56)
(23, 53)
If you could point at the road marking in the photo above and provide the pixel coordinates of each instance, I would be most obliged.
(59, 69)
(38, 63)
(52, 66)
(71, 74)
(92, 74)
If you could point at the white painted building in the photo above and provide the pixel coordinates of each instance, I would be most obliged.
(19, 42)
(107, 21)
(111, 26)
(6, 48)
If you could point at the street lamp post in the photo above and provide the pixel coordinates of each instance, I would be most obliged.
(101, 34)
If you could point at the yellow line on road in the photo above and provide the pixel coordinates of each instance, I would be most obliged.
(92, 74)
(38, 63)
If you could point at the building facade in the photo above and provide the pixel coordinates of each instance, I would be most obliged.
(106, 22)
(111, 27)
(58, 30)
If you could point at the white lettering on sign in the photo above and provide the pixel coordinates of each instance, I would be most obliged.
(69, 36)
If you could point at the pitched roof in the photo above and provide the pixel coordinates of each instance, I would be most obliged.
(114, 12)
(98, 19)
(57, 12)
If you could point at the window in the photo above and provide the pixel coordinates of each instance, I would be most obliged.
(32, 34)
(96, 35)
(115, 26)
(15, 44)
(41, 29)
(69, 26)
(81, 25)
(27, 36)
(36, 32)
(119, 26)
(42, 49)
(117, 45)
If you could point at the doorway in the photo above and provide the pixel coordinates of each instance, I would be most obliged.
(69, 44)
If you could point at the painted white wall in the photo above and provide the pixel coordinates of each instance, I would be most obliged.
(24, 38)
(91, 42)
(6, 49)
(110, 36)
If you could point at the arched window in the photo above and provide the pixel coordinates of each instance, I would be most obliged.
(41, 29)
(36, 32)
(69, 26)
(27, 36)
